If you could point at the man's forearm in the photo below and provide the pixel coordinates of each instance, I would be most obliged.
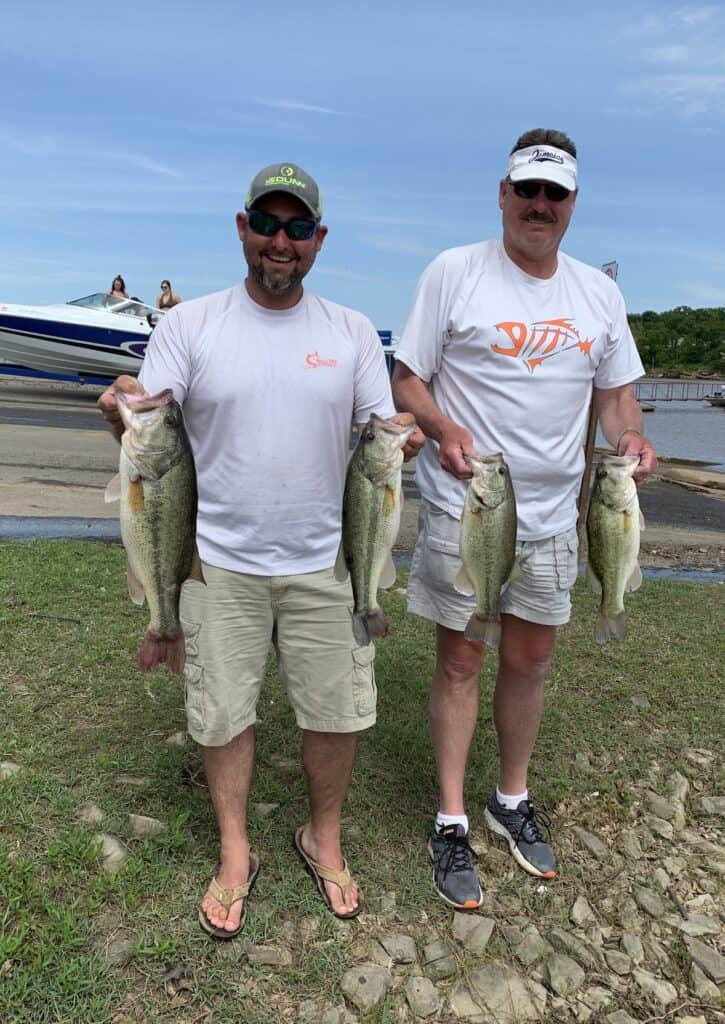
(618, 412)
(411, 394)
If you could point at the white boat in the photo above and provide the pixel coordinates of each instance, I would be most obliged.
(95, 336)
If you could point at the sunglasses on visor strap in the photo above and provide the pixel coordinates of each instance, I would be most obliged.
(531, 189)
(298, 229)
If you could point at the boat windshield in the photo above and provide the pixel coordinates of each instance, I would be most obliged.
(127, 307)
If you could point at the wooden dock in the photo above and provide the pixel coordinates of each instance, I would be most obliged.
(675, 390)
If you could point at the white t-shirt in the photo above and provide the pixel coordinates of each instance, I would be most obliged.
(268, 399)
(512, 358)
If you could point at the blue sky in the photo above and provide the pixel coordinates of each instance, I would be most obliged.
(129, 135)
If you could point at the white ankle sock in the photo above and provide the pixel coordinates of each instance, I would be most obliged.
(451, 819)
(512, 802)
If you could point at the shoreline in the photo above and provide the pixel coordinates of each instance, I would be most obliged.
(56, 458)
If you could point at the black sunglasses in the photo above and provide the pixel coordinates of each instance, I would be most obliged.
(531, 189)
(298, 229)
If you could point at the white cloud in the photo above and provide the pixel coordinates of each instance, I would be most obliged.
(346, 275)
(152, 165)
(26, 143)
(696, 15)
(405, 248)
(690, 94)
(298, 105)
(668, 55)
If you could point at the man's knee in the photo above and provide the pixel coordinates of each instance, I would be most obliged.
(459, 668)
(531, 665)
(527, 650)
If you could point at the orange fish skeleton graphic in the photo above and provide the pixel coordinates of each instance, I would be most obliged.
(540, 340)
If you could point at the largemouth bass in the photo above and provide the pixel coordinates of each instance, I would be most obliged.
(371, 510)
(613, 527)
(156, 484)
(488, 543)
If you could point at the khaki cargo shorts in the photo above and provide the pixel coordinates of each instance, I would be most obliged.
(229, 624)
(540, 594)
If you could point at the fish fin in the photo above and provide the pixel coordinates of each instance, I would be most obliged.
(340, 570)
(113, 489)
(635, 580)
(641, 521)
(159, 650)
(360, 629)
(614, 626)
(486, 629)
(135, 587)
(462, 583)
(367, 627)
(196, 572)
(376, 624)
(176, 654)
(594, 583)
(387, 573)
(515, 573)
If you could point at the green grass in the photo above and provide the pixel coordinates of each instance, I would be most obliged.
(77, 714)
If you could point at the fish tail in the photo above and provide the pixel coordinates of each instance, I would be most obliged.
(159, 650)
(367, 627)
(377, 623)
(360, 629)
(610, 626)
(482, 627)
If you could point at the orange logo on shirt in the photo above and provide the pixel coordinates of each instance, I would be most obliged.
(541, 340)
(314, 359)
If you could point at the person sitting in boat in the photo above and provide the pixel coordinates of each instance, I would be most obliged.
(117, 292)
(167, 298)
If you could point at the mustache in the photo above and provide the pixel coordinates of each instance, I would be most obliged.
(538, 218)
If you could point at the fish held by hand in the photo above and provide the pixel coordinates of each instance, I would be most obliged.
(488, 544)
(156, 485)
(614, 522)
(371, 510)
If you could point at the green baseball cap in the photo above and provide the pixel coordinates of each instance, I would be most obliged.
(289, 178)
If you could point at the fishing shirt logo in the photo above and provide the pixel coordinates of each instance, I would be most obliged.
(540, 340)
(314, 359)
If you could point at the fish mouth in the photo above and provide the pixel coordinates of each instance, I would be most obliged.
(144, 403)
(620, 460)
(397, 429)
(472, 460)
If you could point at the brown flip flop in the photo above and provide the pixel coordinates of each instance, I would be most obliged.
(320, 874)
(227, 897)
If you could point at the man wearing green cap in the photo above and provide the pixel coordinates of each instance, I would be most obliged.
(270, 378)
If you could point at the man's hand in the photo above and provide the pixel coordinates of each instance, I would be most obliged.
(633, 443)
(108, 405)
(455, 442)
(416, 439)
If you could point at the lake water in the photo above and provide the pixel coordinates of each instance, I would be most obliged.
(685, 430)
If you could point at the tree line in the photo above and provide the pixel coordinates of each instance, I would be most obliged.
(681, 340)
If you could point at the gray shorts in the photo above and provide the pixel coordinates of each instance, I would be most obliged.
(540, 594)
(229, 624)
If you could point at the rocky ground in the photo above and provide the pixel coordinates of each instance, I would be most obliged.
(633, 929)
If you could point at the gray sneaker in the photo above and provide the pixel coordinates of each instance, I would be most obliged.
(520, 829)
(453, 874)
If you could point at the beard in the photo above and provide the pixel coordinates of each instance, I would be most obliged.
(274, 286)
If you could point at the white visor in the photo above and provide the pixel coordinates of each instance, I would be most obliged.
(543, 163)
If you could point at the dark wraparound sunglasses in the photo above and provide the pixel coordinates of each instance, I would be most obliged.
(298, 229)
(531, 189)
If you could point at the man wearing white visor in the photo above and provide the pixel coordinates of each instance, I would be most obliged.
(505, 344)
